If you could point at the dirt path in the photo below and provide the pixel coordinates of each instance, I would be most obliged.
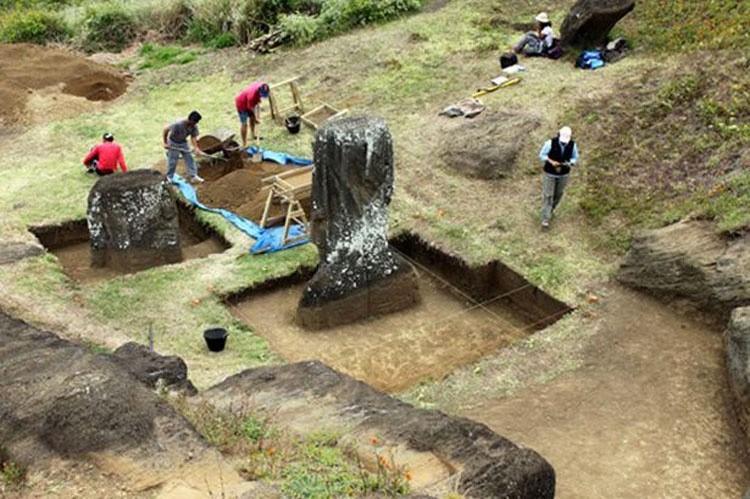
(646, 415)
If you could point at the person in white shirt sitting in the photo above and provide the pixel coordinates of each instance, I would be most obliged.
(538, 42)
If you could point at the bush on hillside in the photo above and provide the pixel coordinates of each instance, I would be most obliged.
(337, 16)
(108, 27)
(170, 19)
(32, 26)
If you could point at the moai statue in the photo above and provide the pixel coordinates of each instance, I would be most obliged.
(359, 275)
(133, 221)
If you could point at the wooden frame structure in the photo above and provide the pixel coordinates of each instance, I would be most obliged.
(306, 118)
(289, 188)
(278, 114)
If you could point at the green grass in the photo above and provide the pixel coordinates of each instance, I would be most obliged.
(155, 57)
(316, 465)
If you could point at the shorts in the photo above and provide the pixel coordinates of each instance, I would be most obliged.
(252, 115)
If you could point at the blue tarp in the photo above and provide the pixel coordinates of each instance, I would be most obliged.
(279, 157)
(266, 240)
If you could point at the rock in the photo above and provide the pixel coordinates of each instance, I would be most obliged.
(149, 367)
(688, 259)
(488, 146)
(433, 446)
(589, 21)
(133, 221)
(737, 340)
(11, 252)
(359, 276)
(59, 401)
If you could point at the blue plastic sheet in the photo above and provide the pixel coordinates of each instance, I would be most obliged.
(281, 158)
(266, 240)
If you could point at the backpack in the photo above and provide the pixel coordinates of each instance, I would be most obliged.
(590, 59)
(508, 59)
(555, 51)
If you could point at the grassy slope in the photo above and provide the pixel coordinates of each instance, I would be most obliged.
(406, 71)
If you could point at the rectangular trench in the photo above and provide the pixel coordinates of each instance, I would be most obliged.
(465, 313)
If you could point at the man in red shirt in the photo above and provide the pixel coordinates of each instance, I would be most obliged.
(248, 107)
(104, 158)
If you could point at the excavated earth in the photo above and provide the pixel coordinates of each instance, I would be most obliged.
(44, 81)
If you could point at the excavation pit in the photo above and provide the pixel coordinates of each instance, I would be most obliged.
(69, 242)
(465, 313)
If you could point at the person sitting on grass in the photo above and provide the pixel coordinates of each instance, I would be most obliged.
(175, 142)
(248, 107)
(538, 42)
(104, 158)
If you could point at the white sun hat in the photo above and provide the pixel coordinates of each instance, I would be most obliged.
(542, 17)
(565, 134)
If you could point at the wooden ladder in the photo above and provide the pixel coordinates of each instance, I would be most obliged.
(279, 114)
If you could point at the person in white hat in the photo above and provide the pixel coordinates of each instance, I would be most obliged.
(537, 42)
(558, 154)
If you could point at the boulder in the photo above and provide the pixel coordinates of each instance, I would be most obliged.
(133, 221)
(59, 401)
(689, 259)
(434, 447)
(488, 146)
(149, 367)
(11, 252)
(359, 276)
(589, 21)
(737, 340)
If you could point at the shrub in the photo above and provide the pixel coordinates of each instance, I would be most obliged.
(169, 18)
(156, 56)
(108, 27)
(32, 26)
(223, 41)
(337, 16)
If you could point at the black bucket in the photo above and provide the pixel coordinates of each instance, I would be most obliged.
(215, 338)
(293, 124)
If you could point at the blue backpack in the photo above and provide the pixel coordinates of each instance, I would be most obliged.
(590, 59)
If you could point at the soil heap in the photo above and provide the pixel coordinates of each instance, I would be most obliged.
(25, 68)
(359, 276)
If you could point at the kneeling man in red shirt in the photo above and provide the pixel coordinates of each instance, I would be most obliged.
(104, 158)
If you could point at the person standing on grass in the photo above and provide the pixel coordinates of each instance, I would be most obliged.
(175, 142)
(104, 158)
(558, 154)
(248, 107)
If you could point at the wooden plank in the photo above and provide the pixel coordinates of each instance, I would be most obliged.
(284, 82)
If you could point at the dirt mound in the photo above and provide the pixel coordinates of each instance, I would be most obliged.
(27, 68)
(240, 190)
(230, 191)
(487, 146)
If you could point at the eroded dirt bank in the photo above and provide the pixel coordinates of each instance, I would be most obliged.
(647, 415)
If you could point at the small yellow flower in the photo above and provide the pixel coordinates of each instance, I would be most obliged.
(407, 475)
(374, 440)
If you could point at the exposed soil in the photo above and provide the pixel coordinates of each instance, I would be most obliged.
(70, 244)
(390, 352)
(237, 186)
(647, 415)
(30, 73)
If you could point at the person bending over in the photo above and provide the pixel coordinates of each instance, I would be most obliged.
(248, 108)
(104, 158)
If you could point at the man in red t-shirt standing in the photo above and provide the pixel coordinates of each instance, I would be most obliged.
(104, 158)
(248, 107)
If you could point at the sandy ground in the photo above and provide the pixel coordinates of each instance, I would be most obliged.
(391, 352)
(645, 416)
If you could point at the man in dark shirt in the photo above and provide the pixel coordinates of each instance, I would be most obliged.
(558, 154)
(175, 142)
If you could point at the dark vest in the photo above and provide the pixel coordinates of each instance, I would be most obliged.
(557, 153)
